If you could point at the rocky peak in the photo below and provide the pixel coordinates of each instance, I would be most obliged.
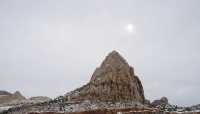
(18, 95)
(115, 60)
(114, 80)
(113, 63)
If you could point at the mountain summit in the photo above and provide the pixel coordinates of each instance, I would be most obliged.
(114, 80)
(114, 59)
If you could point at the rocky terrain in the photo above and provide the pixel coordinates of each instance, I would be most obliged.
(164, 106)
(6, 97)
(113, 84)
(114, 80)
(113, 88)
(9, 100)
(195, 107)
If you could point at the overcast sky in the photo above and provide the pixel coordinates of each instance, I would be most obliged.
(50, 47)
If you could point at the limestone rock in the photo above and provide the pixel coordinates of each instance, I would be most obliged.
(114, 80)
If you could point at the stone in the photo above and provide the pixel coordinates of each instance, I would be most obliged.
(6, 97)
(114, 80)
(161, 102)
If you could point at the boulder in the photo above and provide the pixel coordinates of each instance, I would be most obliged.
(161, 102)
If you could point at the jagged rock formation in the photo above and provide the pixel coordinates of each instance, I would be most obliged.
(112, 85)
(114, 80)
(161, 102)
(6, 97)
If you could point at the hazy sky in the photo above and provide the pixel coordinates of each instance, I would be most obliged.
(49, 47)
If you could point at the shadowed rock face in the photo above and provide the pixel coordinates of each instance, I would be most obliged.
(114, 80)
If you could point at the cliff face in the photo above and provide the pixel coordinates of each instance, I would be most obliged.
(114, 80)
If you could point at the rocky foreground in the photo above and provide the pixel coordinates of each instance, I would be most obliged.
(113, 89)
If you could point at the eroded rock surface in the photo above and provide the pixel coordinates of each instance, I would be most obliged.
(114, 80)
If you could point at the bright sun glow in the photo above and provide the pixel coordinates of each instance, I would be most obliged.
(130, 28)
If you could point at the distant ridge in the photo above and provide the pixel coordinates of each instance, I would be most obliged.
(7, 97)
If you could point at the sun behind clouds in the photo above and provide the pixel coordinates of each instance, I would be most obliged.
(130, 28)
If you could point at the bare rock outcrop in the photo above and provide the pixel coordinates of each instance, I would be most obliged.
(114, 80)
(161, 102)
(6, 97)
